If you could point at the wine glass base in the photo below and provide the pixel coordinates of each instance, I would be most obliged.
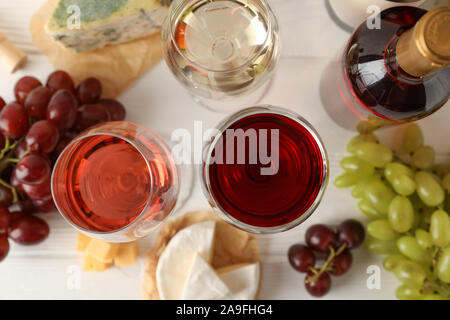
(235, 103)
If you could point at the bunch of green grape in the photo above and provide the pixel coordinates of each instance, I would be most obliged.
(407, 197)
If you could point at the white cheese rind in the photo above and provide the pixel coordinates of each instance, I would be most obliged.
(243, 282)
(203, 283)
(175, 262)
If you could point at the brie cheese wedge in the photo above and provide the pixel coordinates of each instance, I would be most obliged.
(176, 261)
(203, 283)
(242, 280)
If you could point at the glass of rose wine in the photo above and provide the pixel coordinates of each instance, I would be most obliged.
(266, 169)
(224, 51)
(116, 181)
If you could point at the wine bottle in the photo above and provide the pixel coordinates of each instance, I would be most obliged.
(396, 73)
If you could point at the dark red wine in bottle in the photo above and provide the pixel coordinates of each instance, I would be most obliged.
(393, 74)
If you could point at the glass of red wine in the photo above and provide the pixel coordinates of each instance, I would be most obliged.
(116, 181)
(265, 170)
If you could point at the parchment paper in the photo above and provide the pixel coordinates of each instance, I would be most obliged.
(116, 66)
(232, 246)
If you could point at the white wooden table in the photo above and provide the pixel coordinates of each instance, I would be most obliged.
(309, 39)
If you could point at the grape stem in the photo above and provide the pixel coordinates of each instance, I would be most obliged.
(327, 265)
(6, 159)
(13, 190)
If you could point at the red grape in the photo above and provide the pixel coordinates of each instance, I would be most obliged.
(352, 233)
(37, 101)
(318, 287)
(4, 219)
(24, 207)
(6, 196)
(301, 257)
(45, 205)
(115, 109)
(2, 103)
(14, 120)
(2, 140)
(38, 191)
(4, 246)
(33, 169)
(28, 230)
(20, 150)
(341, 263)
(319, 237)
(89, 91)
(90, 115)
(15, 182)
(62, 145)
(24, 86)
(42, 137)
(60, 80)
(62, 110)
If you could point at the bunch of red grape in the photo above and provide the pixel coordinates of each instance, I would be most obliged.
(34, 130)
(323, 240)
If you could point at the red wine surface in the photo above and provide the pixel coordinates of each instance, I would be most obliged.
(243, 192)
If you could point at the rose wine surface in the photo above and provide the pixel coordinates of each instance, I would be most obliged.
(262, 200)
(110, 184)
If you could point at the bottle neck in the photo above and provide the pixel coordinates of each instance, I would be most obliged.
(410, 58)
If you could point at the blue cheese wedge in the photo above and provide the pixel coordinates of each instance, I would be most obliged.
(85, 25)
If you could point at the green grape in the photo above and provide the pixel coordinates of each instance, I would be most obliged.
(423, 158)
(381, 247)
(356, 166)
(440, 228)
(404, 185)
(377, 155)
(413, 138)
(424, 239)
(381, 230)
(401, 214)
(359, 190)
(443, 266)
(409, 247)
(410, 272)
(409, 292)
(442, 169)
(392, 261)
(370, 137)
(395, 169)
(433, 296)
(428, 189)
(368, 210)
(366, 127)
(446, 182)
(379, 195)
(346, 180)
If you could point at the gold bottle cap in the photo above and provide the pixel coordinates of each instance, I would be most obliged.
(426, 47)
(432, 35)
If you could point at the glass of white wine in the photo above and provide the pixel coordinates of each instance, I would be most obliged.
(223, 51)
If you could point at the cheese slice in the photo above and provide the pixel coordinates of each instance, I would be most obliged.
(85, 25)
(176, 260)
(92, 264)
(242, 280)
(203, 283)
(82, 242)
(101, 250)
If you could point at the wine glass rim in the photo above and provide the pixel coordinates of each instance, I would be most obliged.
(270, 27)
(265, 109)
(87, 135)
